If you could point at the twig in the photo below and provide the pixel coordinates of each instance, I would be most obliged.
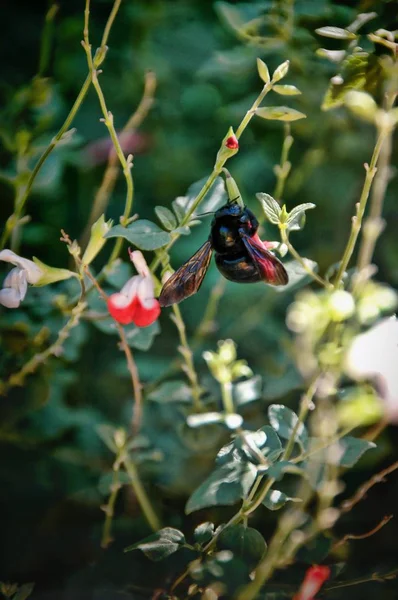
(300, 259)
(109, 507)
(112, 171)
(283, 169)
(347, 505)
(363, 536)
(361, 206)
(374, 577)
(24, 190)
(132, 367)
(46, 39)
(186, 352)
(17, 379)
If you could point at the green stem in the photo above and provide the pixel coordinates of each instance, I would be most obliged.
(109, 508)
(282, 170)
(227, 400)
(301, 260)
(141, 494)
(361, 206)
(186, 352)
(46, 39)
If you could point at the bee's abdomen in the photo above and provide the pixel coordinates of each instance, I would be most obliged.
(238, 267)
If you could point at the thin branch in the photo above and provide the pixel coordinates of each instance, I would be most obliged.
(301, 260)
(111, 173)
(347, 505)
(132, 367)
(363, 536)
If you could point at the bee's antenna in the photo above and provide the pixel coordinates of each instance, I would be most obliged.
(211, 212)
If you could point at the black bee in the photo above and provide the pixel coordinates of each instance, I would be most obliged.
(240, 256)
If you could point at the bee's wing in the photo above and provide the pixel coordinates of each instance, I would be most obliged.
(188, 278)
(270, 268)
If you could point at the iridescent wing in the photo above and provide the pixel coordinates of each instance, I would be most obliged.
(270, 268)
(188, 278)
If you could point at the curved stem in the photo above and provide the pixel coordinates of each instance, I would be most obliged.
(361, 206)
(302, 261)
(141, 494)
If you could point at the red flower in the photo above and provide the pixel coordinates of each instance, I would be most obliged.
(314, 579)
(232, 142)
(135, 303)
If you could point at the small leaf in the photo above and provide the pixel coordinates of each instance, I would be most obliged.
(166, 217)
(270, 206)
(246, 543)
(336, 33)
(263, 71)
(142, 233)
(280, 113)
(294, 219)
(172, 391)
(281, 71)
(275, 499)
(204, 532)
(280, 469)
(185, 230)
(226, 485)
(353, 449)
(197, 420)
(24, 591)
(160, 545)
(335, 56)
(361, 104)
(107, 435)
(51, 274)
(247, 391)
(284, 421)
(286, 90)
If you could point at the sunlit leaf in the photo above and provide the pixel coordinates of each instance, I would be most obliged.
(286, 90)
(245, 542)
(279, 113)
(204, 532)
(336, 33)
(270, 207)
(160, 545)
(142, 233)
(285, 421)
(166, 217)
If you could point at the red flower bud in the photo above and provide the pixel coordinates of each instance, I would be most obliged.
(314, 579)
(232, 142)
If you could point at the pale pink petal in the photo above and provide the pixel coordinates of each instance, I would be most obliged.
(129, 290)
(33, 272)
(139, 262)
(145, 292)
(10, 298)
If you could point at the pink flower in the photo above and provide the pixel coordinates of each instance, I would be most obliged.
(135, 303)
(314, 579)
(232, 142)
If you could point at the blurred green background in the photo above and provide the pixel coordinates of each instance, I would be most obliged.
(51, 459)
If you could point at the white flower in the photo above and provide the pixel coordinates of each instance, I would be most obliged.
(16, 282)
(374, 355)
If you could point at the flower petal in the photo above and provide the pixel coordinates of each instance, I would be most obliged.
(33, 272)
(10, 298)
(129, 290)
(146, 291)
(138, 260)
(121, 311)
(146, 316)
(16, 279)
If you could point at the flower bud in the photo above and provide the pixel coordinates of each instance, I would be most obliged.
(341, 306)
(96, 242)
(229, 147)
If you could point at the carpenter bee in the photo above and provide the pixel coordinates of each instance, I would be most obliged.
(240, 256)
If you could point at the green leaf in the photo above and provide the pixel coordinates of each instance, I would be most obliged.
(275, 499)
(166, 217)
(352, 450)
(172, 391)
(316, 550)
(298, 276)
(244, 542)
(280, 113)
(160, 545)
(263, 71)
(280, 469)
(360, 71)
(24, 591)
(248, 445)
(143, 234)
(141, 338)
(270, 207)
(226, 485)
(336, 33)
(215, 198)
(281, 71)
(294, 219)
(286, 90)
(284, 420)
(204, 532)
(107, 435)
(247, 391)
